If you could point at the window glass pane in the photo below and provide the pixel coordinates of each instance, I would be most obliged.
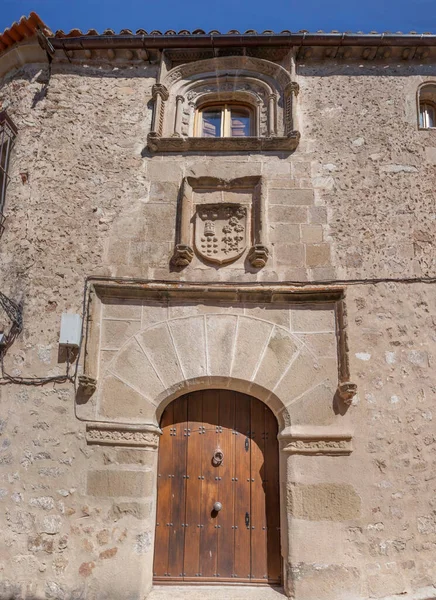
(211, 123)
(426, 115)
(430, 116)
(240, 122)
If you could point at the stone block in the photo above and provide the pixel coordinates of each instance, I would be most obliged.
(311, 234)
(153, 312)
(250, 342)
(157, 343)
(114, 333)
(282, 184)
(317, 214)
(293, 197)
(127, 310)
(312, 581)
(190, 344)
(119, 401)
(134, 367)
(276, 168)
(288, 214)
(315, 407)
(305, 373)
(323, 273)
(277, 356)
(284, 233)
(159, 222)
(163, 170)
(266, 312)
(291, 255)
(317, 255)
(144, 254)
(220, 333)
(164, 191)
(313, 318)
(324, 502)
(110, 483)
(134, 456)
(321, 344)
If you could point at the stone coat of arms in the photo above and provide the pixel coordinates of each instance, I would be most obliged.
(220, 231)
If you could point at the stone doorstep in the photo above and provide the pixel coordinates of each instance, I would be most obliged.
(215, 592)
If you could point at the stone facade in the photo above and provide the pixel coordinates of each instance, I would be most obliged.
(334, 286)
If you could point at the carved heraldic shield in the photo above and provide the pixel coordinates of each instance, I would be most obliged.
(220, 231)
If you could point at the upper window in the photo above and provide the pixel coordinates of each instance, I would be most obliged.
(8, 132)
(224, 120)
(427, 106)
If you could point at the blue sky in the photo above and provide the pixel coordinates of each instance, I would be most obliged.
(342, 15)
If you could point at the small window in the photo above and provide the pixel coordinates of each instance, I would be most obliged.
(426, 115)
(426, 104)
(224, 121)
(8, 132)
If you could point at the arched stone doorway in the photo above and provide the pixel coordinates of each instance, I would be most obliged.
(218, 446)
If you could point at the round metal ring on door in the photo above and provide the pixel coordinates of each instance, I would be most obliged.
(218, 457)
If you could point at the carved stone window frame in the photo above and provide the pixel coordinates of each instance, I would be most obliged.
(264, 85)
(184, 252)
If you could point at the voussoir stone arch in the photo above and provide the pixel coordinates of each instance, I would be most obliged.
(257, 67)
(234, 351)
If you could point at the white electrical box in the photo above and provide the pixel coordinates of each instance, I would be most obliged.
(71, 330)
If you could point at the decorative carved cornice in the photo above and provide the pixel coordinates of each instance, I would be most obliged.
(122, 435)
(316, 440)
(235, 144)
(329, 447)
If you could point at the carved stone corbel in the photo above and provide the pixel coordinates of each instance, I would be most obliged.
(258, 256)
(183, 255)
(87, 385)
(346, 392)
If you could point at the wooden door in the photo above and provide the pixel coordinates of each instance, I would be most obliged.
(218, 446)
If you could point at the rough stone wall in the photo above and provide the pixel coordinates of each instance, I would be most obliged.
(383, 494)
(356, 200)
(371, 166)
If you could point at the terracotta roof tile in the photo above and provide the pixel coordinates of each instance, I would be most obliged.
(92, 32)
(25, 28)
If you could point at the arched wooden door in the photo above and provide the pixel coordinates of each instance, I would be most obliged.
(218, 446)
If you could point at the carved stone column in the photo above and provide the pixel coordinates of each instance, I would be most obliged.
(289, 117)
(159, 94)
(178, 116)
(272, 120)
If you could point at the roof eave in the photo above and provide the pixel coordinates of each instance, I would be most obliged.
(98, 42)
